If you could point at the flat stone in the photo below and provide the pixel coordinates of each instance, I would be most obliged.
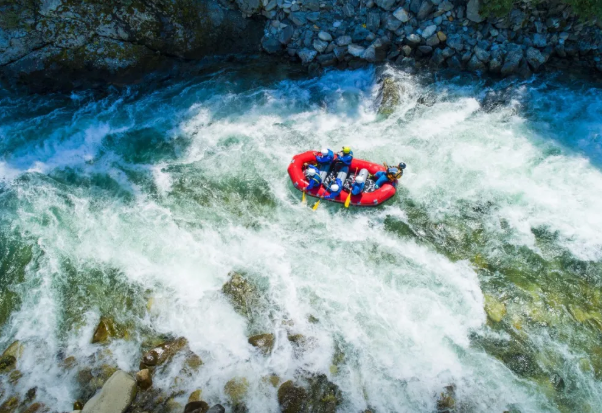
(320, 45)
(426, 8)
(429, 31)
(392, 23)
(385, 4)
(425, 49)
(413, 40)
(401, 15)
(115, 396)
(355, 50)
(432, 41)
(325, 36)
(472, 11)
(343, 40)
(307, 55)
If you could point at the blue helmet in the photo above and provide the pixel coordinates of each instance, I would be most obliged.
(402, 165)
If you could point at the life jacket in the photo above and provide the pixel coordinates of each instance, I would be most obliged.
(346, 158)
(325, 158)
(394, 173)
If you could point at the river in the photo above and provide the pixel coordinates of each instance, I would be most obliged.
(137, 203)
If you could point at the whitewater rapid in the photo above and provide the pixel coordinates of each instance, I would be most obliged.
(138, 204)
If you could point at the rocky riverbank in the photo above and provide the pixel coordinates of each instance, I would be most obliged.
(60, 44)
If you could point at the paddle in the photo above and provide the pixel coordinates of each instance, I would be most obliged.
(316, 205)
(303, 201)
(348, 200)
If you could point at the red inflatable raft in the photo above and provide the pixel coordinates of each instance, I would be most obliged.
(366, 198)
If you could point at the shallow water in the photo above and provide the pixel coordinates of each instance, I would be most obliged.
(137, 204)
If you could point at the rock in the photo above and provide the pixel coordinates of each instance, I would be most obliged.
(307, 55)
(104, 331)
(15, 350)
(286, 35)
(218, 408)
(323, 396)
(373, 21)
(77, 405)
(425, 49)
(535, 58)
(495, 65)
(272, 45)
(454, 63)
(196, 407)
(426, 8)
(35, 407)
(144, 379)
(264, 342)
(446, 402)
(242, 294)
(326, 60)
(291, 398)
(359, 34)
(442, 36)
(494, 308)
(193, 361)
(517, 19)
(385, 4)
(389, 96)
(413, 40)
(392, 23)
(438, 57)
(455, 42)
(195, 396)
(511, 62)
(237, 389)
(445, 6)
(325, 36)
(401, 15)
(429, 31)
(432, 41)
(355, 50)
(7, 363)
(340, 52)
(343, 40)
(472, 11)
(407, 50)
(320, 45)
(475, 64)
(10, 405)
(162, 353)
(115, 397)
(539, 40)
(482, 54)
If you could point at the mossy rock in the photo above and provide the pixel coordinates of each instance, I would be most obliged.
(291, 398)
(389, 96)
(7, 363)
(446, 402)
(163, 353)
(242, 294)
(324, 396)
(263, 342)
(105, 331)
(196, 407)
(14, 377)
(15, 349)
(193, 360)
(495, 309)
(10, 405)
(35, 407)
(195, 396)
(236, 389)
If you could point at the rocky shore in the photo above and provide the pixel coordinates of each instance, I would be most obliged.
(60, 44)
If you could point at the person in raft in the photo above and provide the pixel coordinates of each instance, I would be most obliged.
(358, 186)
(390, 175)
(326, 157)
(345, 156)
(313, 176)
(335, 189)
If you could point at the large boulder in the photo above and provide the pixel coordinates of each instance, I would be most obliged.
(535, 58)
(512, 62)
(389, 96)
(162, 353)
(264, 342)
(116, 395)
(472, 11)
(242, 294)
(291, 398)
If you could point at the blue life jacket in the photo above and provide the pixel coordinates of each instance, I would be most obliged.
(333, 195)
(315, 180)
(357, 188)
(394, 173)
(346, 158)
(325, 158)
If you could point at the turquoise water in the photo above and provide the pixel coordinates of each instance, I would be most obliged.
(137, 203)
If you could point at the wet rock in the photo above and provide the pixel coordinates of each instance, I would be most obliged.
(455, 42)
(446, 402)
(264, 342)
(7, 363)
(35, 407)
(328, 59)
(320, 45)
(218, 408)
(535, 58)
(15, 349)
(242, 294)
(144, 379)
(429, 31)
(271, 45)
(442, 36)
(432, 41)
(412, 40)
(193, 361)
(196, 407)
(482, 54)
(10, 405)
(402, 15)
(291, 398)
(472, 11)
(78, 405)
(385, 4)
(306, 56)
(115, 397)
(512, 62)
(325, 36)
(105, 331)
(438, 57)
(425, 49)
(475, 64)
(426, 8)
(495, 309)
(14, 377)
(454, 63)
(162, 353)
(392, 23)
(195, 396)
(355, 50)
(323, 396)
(343, 41)
(236, 389)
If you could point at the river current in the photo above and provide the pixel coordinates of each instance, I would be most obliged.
(484, 272)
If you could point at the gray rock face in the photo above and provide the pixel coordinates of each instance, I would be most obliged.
(472, 11)
(116, 395)
(535, 58)
(511, 62)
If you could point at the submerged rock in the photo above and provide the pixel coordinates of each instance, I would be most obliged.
(144, 379)
(324, 396)
(15, 350)
(195, 396)
(237, 389)
(218, 408)
(7, 363)
(291, 398)
(196, 407)
(264, 342)
(116, 395)
(494, 308)
(446, 402)
(242, 294)
(162, 353)
(104, 331)
(389, 96)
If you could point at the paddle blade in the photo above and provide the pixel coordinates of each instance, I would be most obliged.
(348, 200)
(316, 205)
(303, 201)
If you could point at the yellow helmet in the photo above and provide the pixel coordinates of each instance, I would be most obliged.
(346, 149)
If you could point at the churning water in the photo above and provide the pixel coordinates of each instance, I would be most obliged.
(137, 204)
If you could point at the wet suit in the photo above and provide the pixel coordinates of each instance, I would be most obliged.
(333, 195)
